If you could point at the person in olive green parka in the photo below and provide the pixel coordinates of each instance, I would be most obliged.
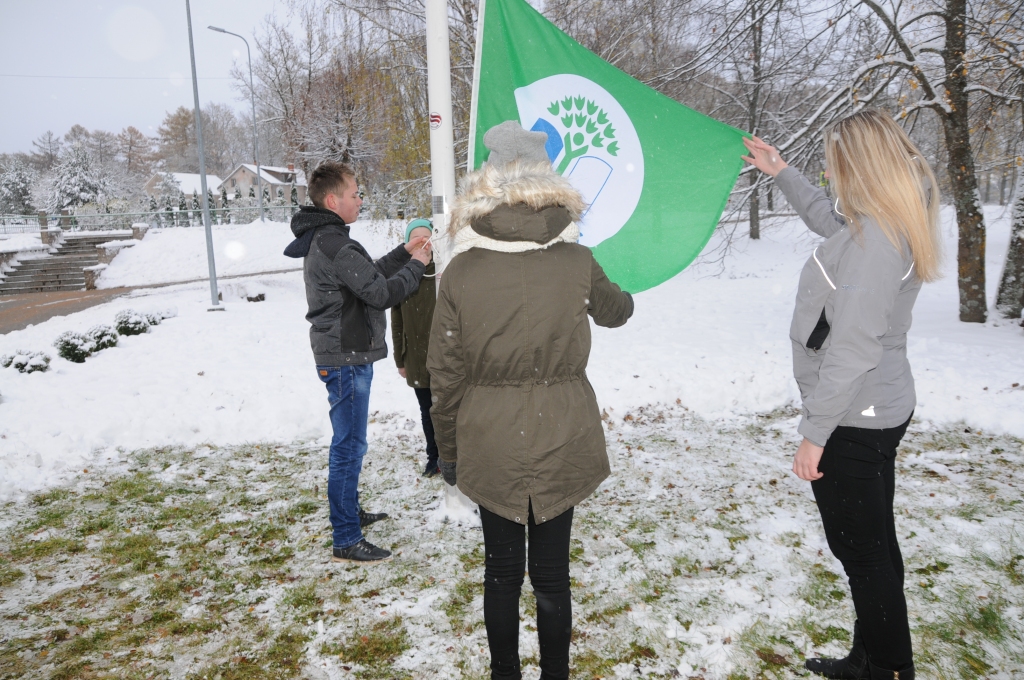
(410, 330)
(518, 426)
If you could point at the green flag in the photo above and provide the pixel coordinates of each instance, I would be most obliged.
(655, 173)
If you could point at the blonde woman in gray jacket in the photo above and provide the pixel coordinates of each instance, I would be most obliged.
(849, 335)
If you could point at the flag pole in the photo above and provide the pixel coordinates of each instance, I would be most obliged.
(442, 175)
(442, 143)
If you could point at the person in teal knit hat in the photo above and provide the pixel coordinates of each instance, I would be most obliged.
(410, 330)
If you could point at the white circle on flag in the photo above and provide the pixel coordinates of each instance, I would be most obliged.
(593, 143)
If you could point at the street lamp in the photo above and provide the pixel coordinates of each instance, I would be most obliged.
(214, 296)
(255, 135)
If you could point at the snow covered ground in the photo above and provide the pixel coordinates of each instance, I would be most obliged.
(179, 253)
(185, 530)
(717, 343)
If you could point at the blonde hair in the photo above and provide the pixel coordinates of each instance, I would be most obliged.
(877, 172)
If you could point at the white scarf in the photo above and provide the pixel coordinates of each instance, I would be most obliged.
(466, 238)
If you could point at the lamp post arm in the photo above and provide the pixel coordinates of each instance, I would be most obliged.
(255, 133)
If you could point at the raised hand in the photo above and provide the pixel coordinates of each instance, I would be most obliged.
(763, 156)
(415, 243)
(422, 254)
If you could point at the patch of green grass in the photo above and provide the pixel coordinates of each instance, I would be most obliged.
(303, 598)
(94, 524)
(640, 547)
(9, 574)
(376, 650)
(38, 550)
(822, 586)
(139, 486)
(307, 507)
(606, 615)
(463, 594)
(138, 550)
(822, 636)
(473, 559)
(936, 568)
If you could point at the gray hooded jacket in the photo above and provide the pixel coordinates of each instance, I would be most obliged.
(346, 290)
(849, 330)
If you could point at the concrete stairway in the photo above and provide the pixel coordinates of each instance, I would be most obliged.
(61, 271)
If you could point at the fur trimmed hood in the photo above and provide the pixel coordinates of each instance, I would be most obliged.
(536, 185)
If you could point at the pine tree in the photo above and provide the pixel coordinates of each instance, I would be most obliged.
(75, 183)
(182, 209)
(295, 195)
(153, 207)
(252, 191)
(16, 190)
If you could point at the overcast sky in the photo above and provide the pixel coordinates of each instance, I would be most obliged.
(129, 62)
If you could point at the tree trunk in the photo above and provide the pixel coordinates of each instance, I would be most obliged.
(1010, 300)
(755, 103)
(962, 178)
(755, 210)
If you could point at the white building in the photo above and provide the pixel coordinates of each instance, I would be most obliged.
(274, 177)
(188, 182)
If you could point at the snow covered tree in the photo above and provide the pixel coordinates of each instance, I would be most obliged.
(295, 195)
(16, 190)
(153, 207)
(1010, 300)
(75, 182)
(182, 209)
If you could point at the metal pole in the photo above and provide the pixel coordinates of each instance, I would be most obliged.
(442, 143)
(255, 134)
(214, 301)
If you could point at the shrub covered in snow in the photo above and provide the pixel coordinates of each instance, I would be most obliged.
(153, 318)
(74, 346)
(26, 362)
(103, 337)
(130, 322)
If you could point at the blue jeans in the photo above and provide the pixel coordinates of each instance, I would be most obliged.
(348, 392)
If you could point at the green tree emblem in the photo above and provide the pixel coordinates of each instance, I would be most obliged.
(588, 125)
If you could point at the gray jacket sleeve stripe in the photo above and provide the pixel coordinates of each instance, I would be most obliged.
(868, 280)
(364, 280)
(810, 202)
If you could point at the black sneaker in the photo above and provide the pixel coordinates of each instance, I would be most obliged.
(362, 552)
(368, 518)
(431, 470)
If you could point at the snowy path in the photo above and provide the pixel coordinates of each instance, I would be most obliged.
(701, 557)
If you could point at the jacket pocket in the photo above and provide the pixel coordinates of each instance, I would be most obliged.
(820, 332)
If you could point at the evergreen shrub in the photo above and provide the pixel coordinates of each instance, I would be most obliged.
(74, 346)
(26, 362)
(130, 322)
(103, 337)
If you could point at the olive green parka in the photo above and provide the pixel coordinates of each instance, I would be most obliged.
(410, 330)
(510, 344)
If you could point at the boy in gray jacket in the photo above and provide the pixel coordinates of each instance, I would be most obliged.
(348, 293)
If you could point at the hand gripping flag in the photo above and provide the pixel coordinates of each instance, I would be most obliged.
(656, 174)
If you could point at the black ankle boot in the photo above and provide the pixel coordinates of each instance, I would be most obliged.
(883, 674)
(853, 667)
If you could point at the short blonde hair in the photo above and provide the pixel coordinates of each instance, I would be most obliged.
(878, 172)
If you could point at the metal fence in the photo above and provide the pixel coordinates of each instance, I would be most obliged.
(98, 221)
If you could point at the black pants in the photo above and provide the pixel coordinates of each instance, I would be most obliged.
(855, 501)
(504, 564)
(423, 396)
